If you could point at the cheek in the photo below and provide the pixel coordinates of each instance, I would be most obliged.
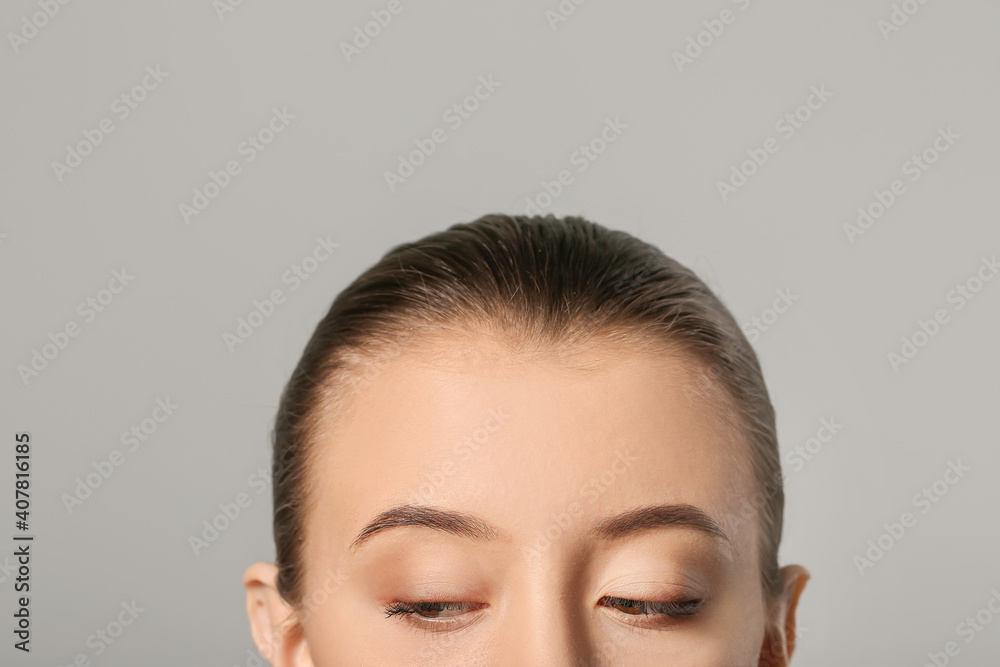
(336, 637)
(740, 627)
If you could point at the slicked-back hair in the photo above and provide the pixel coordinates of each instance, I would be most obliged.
(539, 283)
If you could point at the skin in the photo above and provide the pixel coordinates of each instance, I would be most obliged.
(544, 451)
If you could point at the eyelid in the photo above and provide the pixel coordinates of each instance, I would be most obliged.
(676, 588)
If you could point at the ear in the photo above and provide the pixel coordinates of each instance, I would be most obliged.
(779, 640)
(275, 627)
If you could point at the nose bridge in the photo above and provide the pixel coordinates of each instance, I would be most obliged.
(546, 620)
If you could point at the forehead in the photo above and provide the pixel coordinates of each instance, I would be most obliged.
(515, 438)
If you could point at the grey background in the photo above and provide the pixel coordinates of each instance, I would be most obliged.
(323, 176)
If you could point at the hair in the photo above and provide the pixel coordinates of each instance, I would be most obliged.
(538, 283)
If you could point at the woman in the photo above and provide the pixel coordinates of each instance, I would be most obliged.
(526, 441)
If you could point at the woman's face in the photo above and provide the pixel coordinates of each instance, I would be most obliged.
(476, 508)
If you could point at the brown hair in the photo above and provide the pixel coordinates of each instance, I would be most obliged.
(540, 282)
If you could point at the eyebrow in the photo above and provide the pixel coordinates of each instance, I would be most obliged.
(625, 524)
(643, 519)
(447, 521)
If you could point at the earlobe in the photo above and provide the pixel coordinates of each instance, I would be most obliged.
(779, 641)
(273, 623)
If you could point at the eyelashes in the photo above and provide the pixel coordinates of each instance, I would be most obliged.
(635, 607)
(654, 615)
(435, 616)
(443, 616)
(427, 609)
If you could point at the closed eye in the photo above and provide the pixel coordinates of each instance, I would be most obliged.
(436, 616)
(443, 616)
(649, 614)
